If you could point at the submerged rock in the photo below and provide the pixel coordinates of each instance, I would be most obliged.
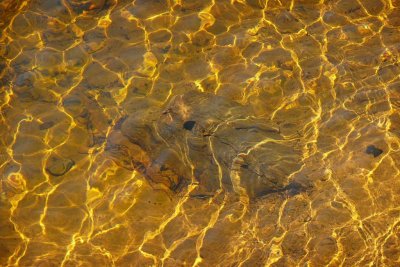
(46, 125)
(221, 146)
(86, 5)
(373, 150)
(57, 166)
(188, 125)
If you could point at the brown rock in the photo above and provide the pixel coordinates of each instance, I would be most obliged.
(211, 138)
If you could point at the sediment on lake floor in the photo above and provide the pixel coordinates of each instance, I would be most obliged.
(169, 133)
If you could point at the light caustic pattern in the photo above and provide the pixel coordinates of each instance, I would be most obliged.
(200, 133)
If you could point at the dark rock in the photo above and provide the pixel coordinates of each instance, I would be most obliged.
(294, 188)
(245, 166)
(201, 196)
(46, 125)
(188, 125)
(373, 150)
(71, 101)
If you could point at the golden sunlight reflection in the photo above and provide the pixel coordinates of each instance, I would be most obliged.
(200, 133)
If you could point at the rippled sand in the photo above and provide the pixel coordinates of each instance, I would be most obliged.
(200, 133)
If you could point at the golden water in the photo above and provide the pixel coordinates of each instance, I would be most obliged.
(200, 133)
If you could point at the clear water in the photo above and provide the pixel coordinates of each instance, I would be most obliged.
(199, 133)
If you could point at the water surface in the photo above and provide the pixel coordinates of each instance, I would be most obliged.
(200, 133)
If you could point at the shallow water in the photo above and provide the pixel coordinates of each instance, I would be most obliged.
(200, 133)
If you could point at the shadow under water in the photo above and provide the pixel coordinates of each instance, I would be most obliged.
(200, 133)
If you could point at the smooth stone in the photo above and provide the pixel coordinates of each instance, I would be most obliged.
(373, 150)
(188, 125)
